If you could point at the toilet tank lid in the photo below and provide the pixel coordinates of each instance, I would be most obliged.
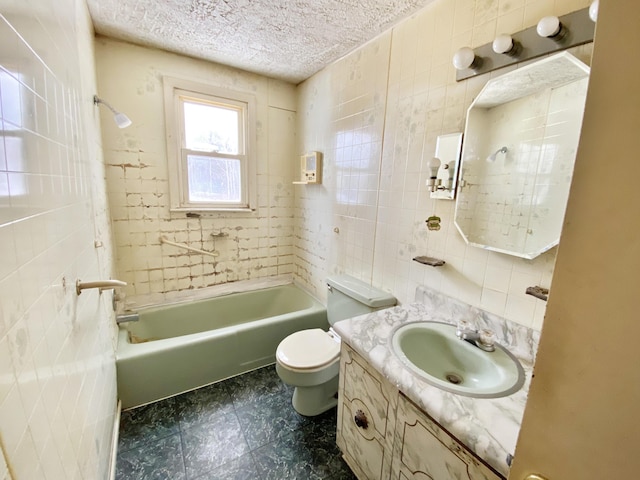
(361, 291)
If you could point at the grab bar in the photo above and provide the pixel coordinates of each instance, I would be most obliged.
(101, 284)
(164, 239)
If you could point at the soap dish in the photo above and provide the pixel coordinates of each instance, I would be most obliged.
(433, 262)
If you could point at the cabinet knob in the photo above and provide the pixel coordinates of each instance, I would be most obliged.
(361, 419)
(534, 476)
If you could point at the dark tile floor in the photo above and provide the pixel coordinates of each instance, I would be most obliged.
(243, 428)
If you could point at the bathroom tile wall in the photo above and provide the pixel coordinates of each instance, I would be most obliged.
(257, 245)
(57, 371)
(418, 101)
(341, 113)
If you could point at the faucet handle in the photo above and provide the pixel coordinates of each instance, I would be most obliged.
(462, 327)
(487, 338)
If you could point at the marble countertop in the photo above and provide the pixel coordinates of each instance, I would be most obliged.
(488, 427)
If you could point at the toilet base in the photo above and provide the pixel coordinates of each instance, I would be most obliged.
(312, 401)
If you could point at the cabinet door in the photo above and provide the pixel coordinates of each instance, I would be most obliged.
(366, 417)
(424, 451)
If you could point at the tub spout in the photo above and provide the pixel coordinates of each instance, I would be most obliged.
(101, 284)
(127, 317)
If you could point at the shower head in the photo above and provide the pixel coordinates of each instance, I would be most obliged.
(492, 158)
(120, 118)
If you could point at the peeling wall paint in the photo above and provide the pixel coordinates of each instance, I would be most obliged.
(255, 245)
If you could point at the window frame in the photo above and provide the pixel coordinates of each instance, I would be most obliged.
(175, 90)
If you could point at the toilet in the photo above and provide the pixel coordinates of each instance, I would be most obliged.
(309, 359)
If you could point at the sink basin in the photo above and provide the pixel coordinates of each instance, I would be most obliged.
(433, 352)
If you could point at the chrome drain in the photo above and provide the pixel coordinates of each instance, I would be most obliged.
(453, 378)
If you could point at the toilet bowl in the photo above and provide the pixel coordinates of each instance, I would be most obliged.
(309, 359)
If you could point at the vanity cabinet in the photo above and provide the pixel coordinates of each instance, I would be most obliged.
(424, 450)
(366, 417)
(384, 435)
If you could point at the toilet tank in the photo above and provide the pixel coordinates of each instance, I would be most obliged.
(349, 297)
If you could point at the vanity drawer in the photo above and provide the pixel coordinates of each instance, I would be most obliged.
(366, 417)
(423, 450)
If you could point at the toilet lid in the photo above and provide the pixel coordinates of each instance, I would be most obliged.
(308, 349)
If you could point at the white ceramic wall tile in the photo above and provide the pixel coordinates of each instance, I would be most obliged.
(57, 384)
(421, 101)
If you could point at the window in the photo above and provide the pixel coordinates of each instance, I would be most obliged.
(210, 150)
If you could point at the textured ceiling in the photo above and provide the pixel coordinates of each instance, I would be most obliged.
(286, 39)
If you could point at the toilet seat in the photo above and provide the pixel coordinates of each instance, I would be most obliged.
(308, 350)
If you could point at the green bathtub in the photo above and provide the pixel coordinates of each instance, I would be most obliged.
(179, 347)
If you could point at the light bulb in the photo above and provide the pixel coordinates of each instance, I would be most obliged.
(593, 10)
(549, 26)
(434, 166)
(503, 43)
(463, 58)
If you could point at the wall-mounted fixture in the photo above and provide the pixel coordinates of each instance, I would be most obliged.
(538, 292)
(431, 261)
(551, 34)
(120, 118)
(164, 239)
(310, 168)
(492, 158)
(443, 167)
(100, 284)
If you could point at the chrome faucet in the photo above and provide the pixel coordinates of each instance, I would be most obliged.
(483, 339)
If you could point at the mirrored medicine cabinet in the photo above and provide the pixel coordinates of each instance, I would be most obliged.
(521, 137)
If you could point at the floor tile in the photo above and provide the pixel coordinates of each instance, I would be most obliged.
(284, 459)
(243, 468)
(158, 460)
(243, 428)
(147, 424)
(203, 405)
(302, 454)
(269, 422)
(213, 444)
(256, 387)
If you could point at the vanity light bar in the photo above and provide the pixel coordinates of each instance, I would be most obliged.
(577, 29)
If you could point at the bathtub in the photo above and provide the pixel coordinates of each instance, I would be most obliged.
(179, 347)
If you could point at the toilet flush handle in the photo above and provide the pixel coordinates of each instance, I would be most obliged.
(329, 287)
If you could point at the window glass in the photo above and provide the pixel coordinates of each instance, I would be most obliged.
(211, 128)
(213, 179)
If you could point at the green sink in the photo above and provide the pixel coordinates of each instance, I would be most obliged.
(434, 352)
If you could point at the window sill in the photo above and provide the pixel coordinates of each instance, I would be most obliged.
(205, 211)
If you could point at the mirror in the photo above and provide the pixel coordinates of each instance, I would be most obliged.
(521, 137)
(448, 150)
